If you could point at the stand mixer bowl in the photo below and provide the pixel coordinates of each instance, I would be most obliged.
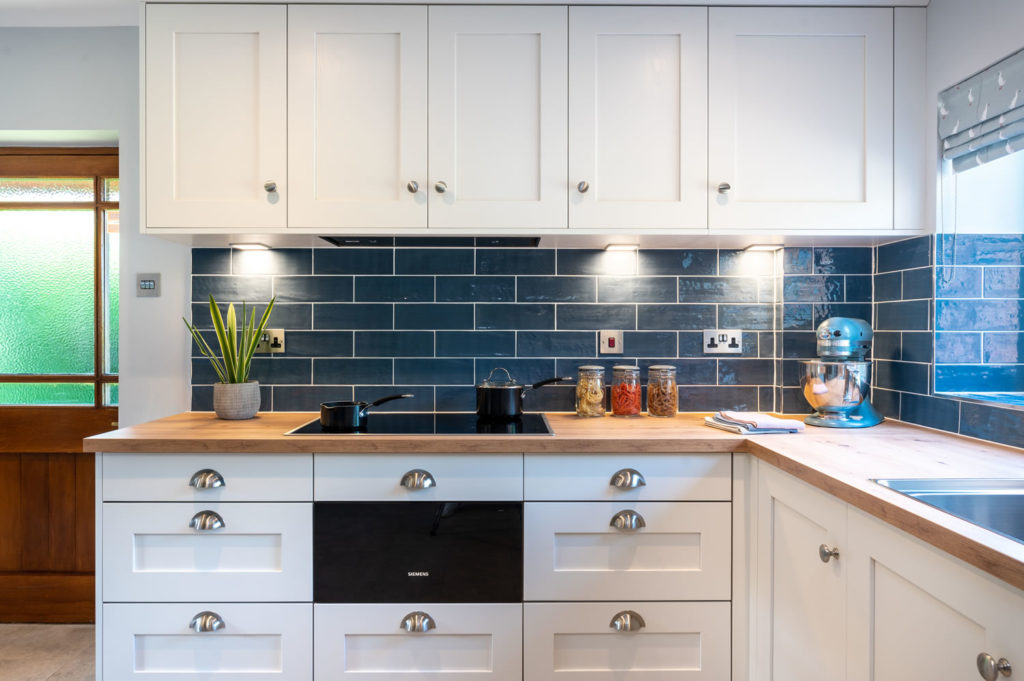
(835, 389)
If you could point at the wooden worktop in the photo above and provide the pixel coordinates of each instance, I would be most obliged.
(843, 463)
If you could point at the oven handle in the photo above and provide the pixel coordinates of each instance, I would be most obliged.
(417, 622)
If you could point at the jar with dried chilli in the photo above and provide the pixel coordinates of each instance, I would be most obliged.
(626, 390)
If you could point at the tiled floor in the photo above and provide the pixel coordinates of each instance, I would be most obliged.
(47, 652)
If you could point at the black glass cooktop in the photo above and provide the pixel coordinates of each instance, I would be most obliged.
(449, 423)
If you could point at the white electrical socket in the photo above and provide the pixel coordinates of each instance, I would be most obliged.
(272, 342)
(611, 343)
(723, 341)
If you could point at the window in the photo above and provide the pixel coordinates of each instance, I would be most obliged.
(59, 228)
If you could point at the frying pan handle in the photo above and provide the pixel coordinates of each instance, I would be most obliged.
(382, 401)
(549, 380)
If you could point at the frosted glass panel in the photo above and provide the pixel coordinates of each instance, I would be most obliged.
(46, 393)
(44, 189)
(46, 291)
(112, 286)
(111, 396)
(111, 189)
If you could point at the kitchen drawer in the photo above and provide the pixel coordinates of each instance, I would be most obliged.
(469, 642)
(263, 553)
(154, 641)
(589, 477)
(456, 477)
(677, 642)
(571, 552)
(246, 477)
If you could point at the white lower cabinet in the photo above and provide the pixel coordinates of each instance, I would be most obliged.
(159, 642)
(466, 642)
(667, 641)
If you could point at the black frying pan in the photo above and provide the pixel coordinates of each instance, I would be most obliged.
(348, 417)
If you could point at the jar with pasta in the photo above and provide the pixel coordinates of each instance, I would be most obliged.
(662, 392)
(625, 390)
(590, 391)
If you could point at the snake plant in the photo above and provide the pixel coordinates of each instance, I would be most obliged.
(235, 353)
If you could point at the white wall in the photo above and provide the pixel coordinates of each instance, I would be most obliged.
(87, 78)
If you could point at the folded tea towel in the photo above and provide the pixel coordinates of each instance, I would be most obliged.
(752, 423)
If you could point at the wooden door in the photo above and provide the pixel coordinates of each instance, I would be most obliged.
(498, 107)
(216, 116)
(638, 117)
(357, 117)
(800, 119)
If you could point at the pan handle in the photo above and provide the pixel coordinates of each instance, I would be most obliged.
(556, 379)
(362, 412)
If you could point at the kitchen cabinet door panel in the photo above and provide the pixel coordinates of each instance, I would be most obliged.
(498, 107)
(638, 117)
(357, 116)
(215, 93)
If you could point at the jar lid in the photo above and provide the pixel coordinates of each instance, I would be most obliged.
(625, 367)
(591, 367)
(661, 367)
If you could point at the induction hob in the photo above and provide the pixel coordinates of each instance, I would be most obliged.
(442, 423)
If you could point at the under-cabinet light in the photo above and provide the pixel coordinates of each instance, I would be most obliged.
(250, 246)
(764, 247)
(621, 247)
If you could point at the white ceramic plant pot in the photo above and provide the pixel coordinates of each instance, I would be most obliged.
(236, 400)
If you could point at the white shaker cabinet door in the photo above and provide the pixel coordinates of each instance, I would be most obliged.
(498, 108)
(638, 117)
(357, 116)
(800, 119)
(216, 131)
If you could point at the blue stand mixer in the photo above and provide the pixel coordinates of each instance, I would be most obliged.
(838, 383)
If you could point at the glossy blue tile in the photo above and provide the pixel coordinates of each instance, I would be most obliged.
(455, 398)
(678, 262)
(714, 398)
(905, 254)
(284, 315)
(746, 372)
(854, 310)
(211, 261)
(308, 397)
(551, 398)
(408, 289)
(352, 316)
(917, 346)
(581, 261)
(1004, 348)
(688, 371)
(956, 378)
(476, 289)
(422, 397)
(515, 261)
(812, 289)
(983, 249)
(888, 286)
(799, 344)
(649, 343)
(691, 343)
(745, 316)
(556, 344)
(570, 366)
(798, 316)
(793, 402)
(279, 370)
(394, 344)
(765, 344)
(932, 412)
(523, 371)
(202, 398)
(353, 260)
(992, 423)
(429, 316)
(766, 399)
(434, 260)
(717, 290)
(902, 376)
(636, 289)
(318, 289)
(676, 317)
(887, 345)
(792, 370)
(556, 289)
(570, 316)
(231, 289)
(434, 371)
(276, 261)
(318, 344)
(766, 291)
(1004, 282)
(886, 402)
(978, 315)
(476, 344)
(797, 261)
(842, 260)
(360, 371)
(914, 315)
(958, 282)
(747, 263)
(434, 241)
(858, 288)
(952, 348)
(521, 316)
(917, 284)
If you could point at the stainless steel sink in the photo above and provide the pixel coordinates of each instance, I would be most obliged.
(995, 504)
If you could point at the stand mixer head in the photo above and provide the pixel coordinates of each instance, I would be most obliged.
(838, 384)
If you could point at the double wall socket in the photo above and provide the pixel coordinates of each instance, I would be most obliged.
(723, 341)
(272, 342)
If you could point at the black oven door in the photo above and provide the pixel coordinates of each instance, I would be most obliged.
(418, 551)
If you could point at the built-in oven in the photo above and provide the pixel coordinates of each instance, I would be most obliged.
(418, 552)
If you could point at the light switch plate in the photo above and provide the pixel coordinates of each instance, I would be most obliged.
(272, 342)
(147, 285)
(723, 341)
(611, 343)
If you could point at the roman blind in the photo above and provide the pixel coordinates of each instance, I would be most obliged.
(982, 118)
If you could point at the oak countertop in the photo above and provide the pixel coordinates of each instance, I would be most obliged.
(843, 463)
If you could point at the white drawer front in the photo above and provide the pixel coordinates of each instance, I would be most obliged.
(678, 642)
(263, 553)
(270, 642)
(247, 477)
(667, 477)
(572, 553)
(469, 642)
(456, 477)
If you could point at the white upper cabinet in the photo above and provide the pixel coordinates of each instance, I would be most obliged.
(638, 117)
(800, 119)
(357, 116)
(498, 108)
(215, 97)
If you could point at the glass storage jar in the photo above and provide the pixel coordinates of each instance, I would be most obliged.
(625, 390)
(662, 391)
(590, 391)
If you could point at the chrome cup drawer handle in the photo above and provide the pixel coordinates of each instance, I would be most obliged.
(206, 621)
(628, 520)
(627, 478)
(827, 553)
(627, 620)
(206, 478)
(417, 622)
(418, 478)
(206, 520)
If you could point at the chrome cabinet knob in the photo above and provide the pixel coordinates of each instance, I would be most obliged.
(990, 668)
(440, 187)
(413, 186)
(270, 186)
(827, 553)
(724, 188)
(627, 478)
(418, 622)
(582, 187)
(206, 621)
(627, 520)
(627, 620)
(206, 520)
(206, 478)
(418, 478)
